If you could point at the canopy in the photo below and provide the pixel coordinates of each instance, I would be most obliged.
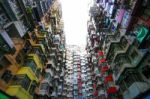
(108, 78)
(96, 93)
(102, 60)
(142, 33)
(100, 53)
(104, 68)
(148, 23)
(94, 86)
(112, 90)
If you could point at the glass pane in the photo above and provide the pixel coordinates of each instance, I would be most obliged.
(31, 64)
(22, 80)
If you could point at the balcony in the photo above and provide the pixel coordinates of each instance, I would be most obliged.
(56, 76)
(54, 95)
(53, 55)
(36, 59)
(20, 87)
(56, 39)
(69, 96)
(40, 46)
(121, 62)
(28, 71)
(58, 69)
(19, 92)
(115, 48)
(44, 89)
(53, 21)
(136, 55)
(39, 50)
(40, 34)
(46, 46)
(60, 89)
(125, 45)
(29, 63)
(51, 63)
(101, 93)
(14, 11)
(115, 36)
(49, 71)
(135, 89)
(124, 60)
(99, 83)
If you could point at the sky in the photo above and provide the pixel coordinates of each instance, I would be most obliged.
(75, 16)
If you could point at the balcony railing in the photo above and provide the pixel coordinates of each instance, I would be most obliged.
(44, 89)
(20, 87)
(36, 59)
(28, 71)
(19, 92)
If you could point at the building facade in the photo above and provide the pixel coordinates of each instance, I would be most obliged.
(32, 49)
(77, 82)
(118, 48)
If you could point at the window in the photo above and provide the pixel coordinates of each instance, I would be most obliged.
(7, 76)
(4, 62)
(39, 52)
(33, 36)
(22, 80)
(122, 86)
(47, 76)
(44, 86)
(30, 63)
(146, 71)
(20, 58)
(27, 47)
(32, 88)
(38, 72)
(49, 66)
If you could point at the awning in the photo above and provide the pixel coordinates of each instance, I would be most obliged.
(95, 93)
(100, 53)
(148, 23)
(102, 60)
(108, 78)
(104, 69)
(142, 33)
(94, 86)
(112, 90)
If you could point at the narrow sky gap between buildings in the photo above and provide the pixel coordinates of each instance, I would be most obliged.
(75, 15)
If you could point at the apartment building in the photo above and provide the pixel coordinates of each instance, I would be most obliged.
(118, 47)
(32, 49)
